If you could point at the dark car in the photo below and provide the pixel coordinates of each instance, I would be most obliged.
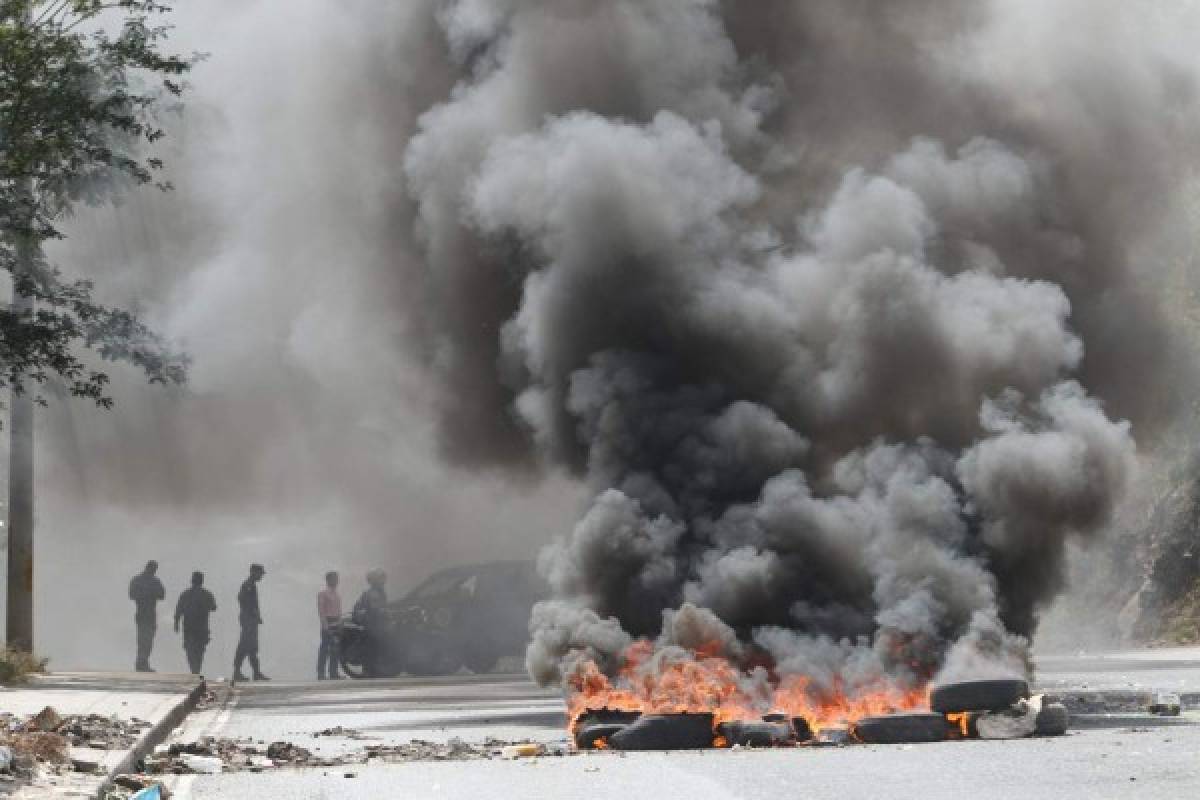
(463, 616)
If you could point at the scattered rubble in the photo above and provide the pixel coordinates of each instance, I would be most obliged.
(45, 721)
(211, 755)
(458, 750)
(136, 787)
(339, 731)
(38, 747)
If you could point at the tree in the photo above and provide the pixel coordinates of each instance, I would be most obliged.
(83, 84)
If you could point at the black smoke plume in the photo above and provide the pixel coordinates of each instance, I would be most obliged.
(841, 310)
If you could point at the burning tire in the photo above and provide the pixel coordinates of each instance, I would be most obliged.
(588, 737)
(756, 734)
(600, 724)
(802, 729)
(993, 695)
(901, 729)
(666, 732)
(614, 715)
(1052, 720)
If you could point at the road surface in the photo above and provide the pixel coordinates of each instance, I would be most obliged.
(1118, 756)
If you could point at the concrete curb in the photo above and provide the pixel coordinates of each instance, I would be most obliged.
(153, 737)
(1108, 701)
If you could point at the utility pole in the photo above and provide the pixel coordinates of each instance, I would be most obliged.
(20, 457)
(20, 495)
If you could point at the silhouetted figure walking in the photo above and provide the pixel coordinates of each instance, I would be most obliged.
(194, 606)
(329, 611)
(250, 619)
(145, 590)
(371, 612)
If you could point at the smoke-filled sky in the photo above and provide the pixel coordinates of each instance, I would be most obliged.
(830, 317)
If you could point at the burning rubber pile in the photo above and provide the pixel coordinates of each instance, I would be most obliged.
(846, 339)
(992, 709)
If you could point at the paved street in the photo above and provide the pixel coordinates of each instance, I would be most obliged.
(1175, 669)
(1117, 756)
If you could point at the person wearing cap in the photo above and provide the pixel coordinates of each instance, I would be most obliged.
(145, 590)
(194, 606)
(249, 618)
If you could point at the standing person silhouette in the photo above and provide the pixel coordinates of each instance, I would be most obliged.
(371, 612)
(250, 618)
(193, 607)
(145, 590)
(329, 611)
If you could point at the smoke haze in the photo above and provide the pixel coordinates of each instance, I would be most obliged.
(820, 327)
(304, 439)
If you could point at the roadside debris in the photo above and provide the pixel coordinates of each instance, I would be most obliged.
(1015, 722)
(45, 720)
(204, 765)
(339, 731)
(48, 743)
(526, 750)
(136, 787)
(1166, 704)
(29, 742)
(210, 755)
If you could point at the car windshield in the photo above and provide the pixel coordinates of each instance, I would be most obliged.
(442, 584)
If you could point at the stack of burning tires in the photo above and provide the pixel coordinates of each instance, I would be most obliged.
(985, 709)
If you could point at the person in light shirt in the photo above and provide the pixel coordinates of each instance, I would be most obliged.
(329, 611)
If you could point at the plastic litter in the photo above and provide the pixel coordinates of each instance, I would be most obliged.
(206, 765)
(149, 793)
(521, 750)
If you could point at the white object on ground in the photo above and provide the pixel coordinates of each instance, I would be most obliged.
(207, 765)
(1013, 723)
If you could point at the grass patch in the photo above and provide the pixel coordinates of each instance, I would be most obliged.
(16, 666)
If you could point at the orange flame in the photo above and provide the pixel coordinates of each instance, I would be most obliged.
(708, 683)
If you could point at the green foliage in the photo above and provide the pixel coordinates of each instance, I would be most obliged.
(82, 85)
(16, 666)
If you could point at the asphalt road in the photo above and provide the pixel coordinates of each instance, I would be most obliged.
(1119, 756)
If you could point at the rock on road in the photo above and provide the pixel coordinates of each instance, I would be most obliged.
(1122, 756)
